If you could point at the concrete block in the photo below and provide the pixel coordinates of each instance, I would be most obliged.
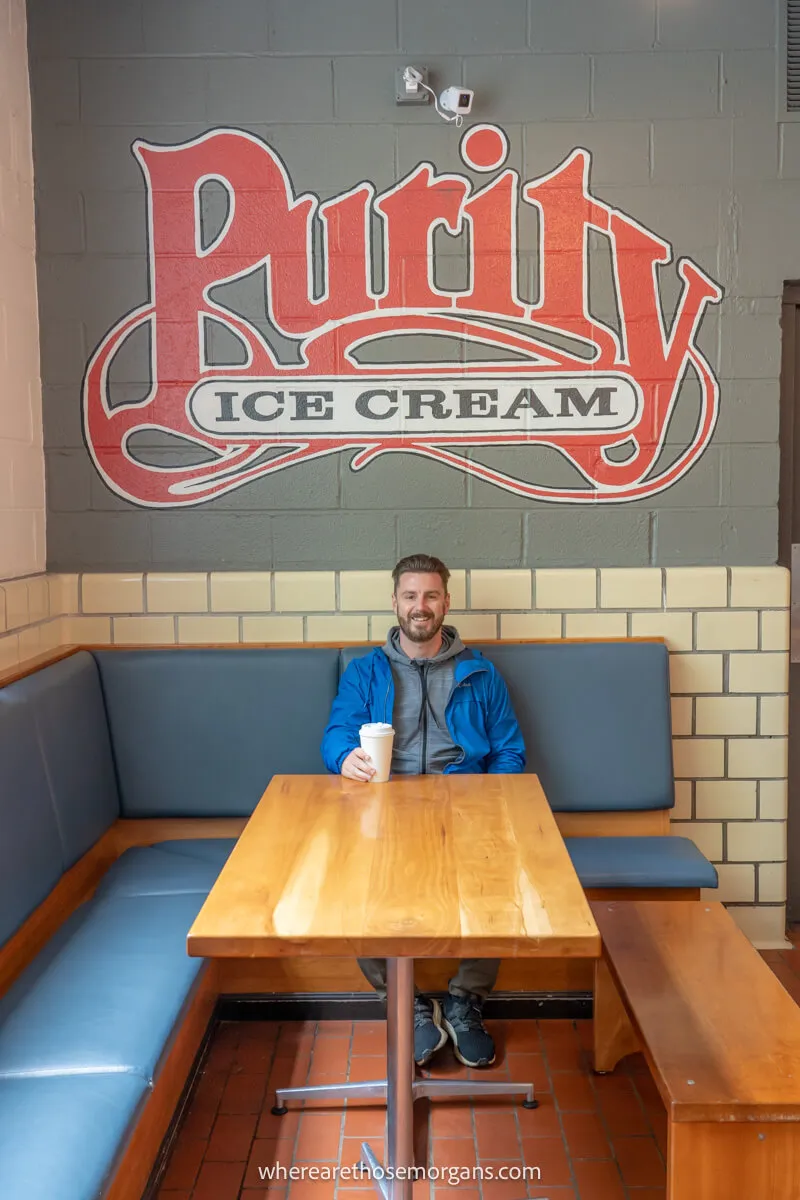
(662, 84)
(462, 26)
(339, 156)
(688, 537)
(606, 536)
(397, 481)
(597, 28)
(55, 93)
(64, 351)
(754, 476)
(86, 541)
(749, 83)
(436, 144)
(547, 85)
(620, 149)
(274, 90)
(749, 411)
(84, 28)
(698, 150)
(119, 90)
(205, 27)
(469, 538)
(364, 89)
(751, 346)
(116, 223)
(349, 27)
(750, 536)
(334, 540)
(756, 148)
(717, 25)
(60, 223)
(68, 480)
(187, 541)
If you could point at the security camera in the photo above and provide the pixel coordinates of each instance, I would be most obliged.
(457, 100)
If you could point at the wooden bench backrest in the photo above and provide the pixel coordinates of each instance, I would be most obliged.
(720, 1033)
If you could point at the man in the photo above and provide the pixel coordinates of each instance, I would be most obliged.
(451, 713)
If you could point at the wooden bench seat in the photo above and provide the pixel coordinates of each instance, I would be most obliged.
(680, 982)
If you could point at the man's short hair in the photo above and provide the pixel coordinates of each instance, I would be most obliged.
(421, 564)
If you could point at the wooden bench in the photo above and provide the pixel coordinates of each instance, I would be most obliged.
(679, 981)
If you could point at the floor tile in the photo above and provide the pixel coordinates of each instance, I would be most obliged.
(231, 1137)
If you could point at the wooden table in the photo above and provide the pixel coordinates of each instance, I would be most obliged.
(427, 866)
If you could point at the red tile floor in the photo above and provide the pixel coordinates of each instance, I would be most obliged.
(591, 1138)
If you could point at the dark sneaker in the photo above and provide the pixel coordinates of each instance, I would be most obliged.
(428, 1033)
(472, 1043)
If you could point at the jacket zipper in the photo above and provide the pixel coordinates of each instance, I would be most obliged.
(424, 685)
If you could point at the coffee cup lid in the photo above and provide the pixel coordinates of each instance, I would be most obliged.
(377, 727)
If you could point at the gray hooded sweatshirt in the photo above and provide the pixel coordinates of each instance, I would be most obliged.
(422, 687)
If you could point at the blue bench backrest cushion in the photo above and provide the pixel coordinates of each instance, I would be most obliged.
(596, 721)
(30, 848)
(65, 704)
(595, 717)
(200, 733)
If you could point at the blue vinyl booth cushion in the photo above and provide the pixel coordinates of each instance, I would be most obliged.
(202, 732)
(31, 856)
(153, 871)
(596, 721)
(66, 706)
(61, 1134)
(106, 991)
(640, 862)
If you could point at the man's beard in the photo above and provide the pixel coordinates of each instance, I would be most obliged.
(418, 633)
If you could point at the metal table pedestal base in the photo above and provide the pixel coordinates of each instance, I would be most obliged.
(400, 1088)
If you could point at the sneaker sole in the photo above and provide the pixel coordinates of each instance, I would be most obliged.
(454, 1039)
(437, 1020)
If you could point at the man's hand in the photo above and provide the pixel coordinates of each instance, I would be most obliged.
(358, 765)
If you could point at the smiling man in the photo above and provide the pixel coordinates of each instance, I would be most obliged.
(451, 712)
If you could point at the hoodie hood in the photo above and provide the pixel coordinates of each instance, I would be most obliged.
(450, 647)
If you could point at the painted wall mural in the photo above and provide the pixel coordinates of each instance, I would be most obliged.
(349, 282)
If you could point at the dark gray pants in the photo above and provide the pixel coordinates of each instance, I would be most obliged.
(474, 975)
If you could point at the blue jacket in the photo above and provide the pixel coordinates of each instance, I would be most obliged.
(479, 715)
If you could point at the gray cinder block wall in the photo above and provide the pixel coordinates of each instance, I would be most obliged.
(676, 102)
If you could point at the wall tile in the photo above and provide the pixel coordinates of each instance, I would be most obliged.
(756, 841)
(500, 589)
(697, 587)
(698, 758)
(186, 593)
(530, 625)
(727, 630)
(272, 629)
(764, 587)
(757, 758)
(241, 591)
(112, 594)
(675, 628)
(773, 797)
(726, 714)
(758, 673)
(596, 625)
(772, 882)
(682, 707)
(774, 719)
(211, 629)
(360, 591)
(336, 629)
(146, 630)
(630, 588)
(305, 591)
(723, 799)
(565, 589)
(737, 884)
(764, 926)
(474, 627)
(88, 630)
(682, 810)
(706, 835)
(775, 630)
(695, 673)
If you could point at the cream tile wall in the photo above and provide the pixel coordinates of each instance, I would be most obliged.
(727, 630)
(22, 543)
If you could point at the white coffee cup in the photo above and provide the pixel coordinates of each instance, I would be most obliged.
(377, 741)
